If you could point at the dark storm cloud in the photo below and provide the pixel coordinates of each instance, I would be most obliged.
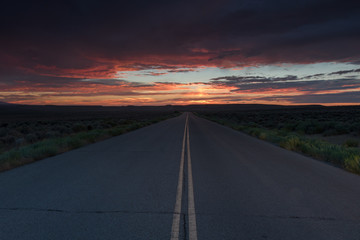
(31, 80)
(244, 83)
(60, 43)
(322, 75)
(182, 70)
(144, 66)
(345, 72)
(24, 80)
(315, 82)
(69, 33)
(116, 82)
(235, 80)
(344, 97)
(315, 76)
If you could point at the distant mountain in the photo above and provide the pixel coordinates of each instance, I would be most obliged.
(5, 103)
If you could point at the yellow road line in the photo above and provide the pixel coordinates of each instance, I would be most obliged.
(177, 211)
(191, 202)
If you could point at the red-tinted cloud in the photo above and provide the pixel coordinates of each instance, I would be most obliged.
(53, 47)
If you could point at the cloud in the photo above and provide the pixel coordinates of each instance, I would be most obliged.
(180, 70)
(314, 76)
(238, 80)
(116, 82)
(345, 72)
(355, 62)
(83, 47)
(291, 83)
(334, 98)
(75, 37)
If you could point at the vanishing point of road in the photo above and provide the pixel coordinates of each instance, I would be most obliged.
(183, 178)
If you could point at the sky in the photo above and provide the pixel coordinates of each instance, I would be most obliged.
(115, 53)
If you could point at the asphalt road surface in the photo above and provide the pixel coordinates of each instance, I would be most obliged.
(183, 178)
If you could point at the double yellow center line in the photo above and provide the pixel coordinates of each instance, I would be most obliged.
(175, 229)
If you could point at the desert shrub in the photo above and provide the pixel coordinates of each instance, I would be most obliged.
(355, 127)
(351, 143)
(109, 123)
(13, 132)
(262, 135)
(281, 133)
(329, 132)
(254, 132)
(31, 138)
(135, 126)
(19, 141)
(3, 132)
(125, 121)
(73, 142)
(9, 140)
(291, 143)
(51, 134)
(9, 159)
(41, 146)
(352, 163)
(347, 158)
(291, 126)
(271, 123)
(331, 153)
(308, 148)
(45, 149)
(116, 131)
(24, 129)
(62, 129)
(91, 136)
(40, 134)
(239, 127)
(342, 128)
(79, 127)
(308, 127)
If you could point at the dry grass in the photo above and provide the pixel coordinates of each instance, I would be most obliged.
(346, 156)
(53, 145)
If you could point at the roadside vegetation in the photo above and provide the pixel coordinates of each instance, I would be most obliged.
(304, 130)
(27, 141)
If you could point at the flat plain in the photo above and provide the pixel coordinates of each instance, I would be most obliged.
(127, 186)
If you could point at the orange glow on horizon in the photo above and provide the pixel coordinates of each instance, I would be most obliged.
(100, 85)
(83, 93)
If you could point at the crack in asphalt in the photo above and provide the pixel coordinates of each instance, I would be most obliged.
(87, 211)
(280, 217)
(298, 217)
(316, 218)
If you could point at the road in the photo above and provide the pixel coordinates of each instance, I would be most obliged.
(183, 178)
